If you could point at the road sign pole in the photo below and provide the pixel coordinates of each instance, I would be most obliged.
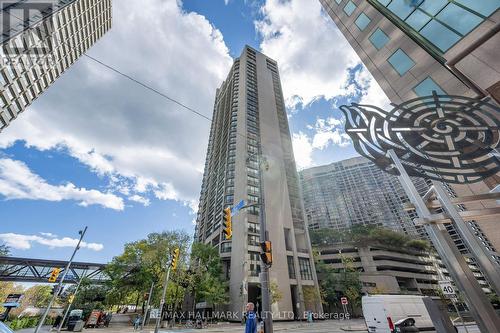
(44, 316)
(69, 306)
(459, 315)
(147, 304)
(162, 302)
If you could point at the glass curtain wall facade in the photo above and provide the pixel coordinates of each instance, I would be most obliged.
(354, 192)
(249, 117)
(40, 40)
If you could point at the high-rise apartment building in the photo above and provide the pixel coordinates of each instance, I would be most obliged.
(354, 192)
(249, 111)
(412, 47)
(39, 41)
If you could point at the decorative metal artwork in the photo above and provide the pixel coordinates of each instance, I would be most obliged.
(442, 137)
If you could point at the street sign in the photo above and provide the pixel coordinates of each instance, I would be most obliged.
(447, 288)
(154, 313)
(237, 207)
(344, 301)
(13, 301)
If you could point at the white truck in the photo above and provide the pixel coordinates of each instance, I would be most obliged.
(381, 312)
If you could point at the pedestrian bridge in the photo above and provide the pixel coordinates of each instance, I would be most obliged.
(38, 270)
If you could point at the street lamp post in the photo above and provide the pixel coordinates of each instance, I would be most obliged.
(44, 316)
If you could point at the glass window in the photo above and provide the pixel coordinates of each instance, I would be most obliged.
(426, 87)
(433, 7)
(483, 7)
(379, 39)
(459, 19)
(418, 19)
(349, 8)
(402, 8)
(362, 21)
(401, 62)
(338, 2)
(384, 2)
(305, 269)
(440, 35)
(291, 268)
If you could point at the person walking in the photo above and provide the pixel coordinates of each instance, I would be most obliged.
(251, 324)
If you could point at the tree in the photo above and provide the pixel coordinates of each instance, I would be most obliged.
(89, 297)
(275, 293)
(143, 262)
(362, 235)
(4, 250)
(207, 282)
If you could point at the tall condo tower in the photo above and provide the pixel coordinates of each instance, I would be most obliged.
(249, 111)
(39, 41)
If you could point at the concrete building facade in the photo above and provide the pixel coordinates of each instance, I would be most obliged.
(384, 270)
(414, 47)
(249, 111)
(39, 41)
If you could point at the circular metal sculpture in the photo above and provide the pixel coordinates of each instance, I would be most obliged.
(442, 137)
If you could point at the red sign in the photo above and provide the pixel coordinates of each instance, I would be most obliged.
(343, 300)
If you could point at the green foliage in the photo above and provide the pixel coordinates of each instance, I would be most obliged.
(206, 281)
(369, 236)
(143, 262)
(4, 250)
(275, 293)
(37, 296)
(89, 297)
(338, 283)
(28, 322)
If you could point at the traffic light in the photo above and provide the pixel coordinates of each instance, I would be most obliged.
(267, 253)
(228, 227)
(71, 298)
(54, 275)
(175, 258)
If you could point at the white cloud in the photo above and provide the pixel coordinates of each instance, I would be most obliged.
(24, 242)
(312, 53)
(18, 182)
(371, 94)
(328, 131)
(302, 149)
(48, 234)
(142, 143)
(137, 198)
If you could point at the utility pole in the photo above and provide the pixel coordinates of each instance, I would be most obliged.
(69, 306)
(42, 320)
(264, 275)
(147, 304)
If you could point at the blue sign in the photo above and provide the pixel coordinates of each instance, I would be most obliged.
(237, 208)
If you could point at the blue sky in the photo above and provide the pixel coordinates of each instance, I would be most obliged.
(97, 150)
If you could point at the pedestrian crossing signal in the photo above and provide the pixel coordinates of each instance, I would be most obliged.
(267, 253)
(228, 227)
(175, 258)
(54, 275)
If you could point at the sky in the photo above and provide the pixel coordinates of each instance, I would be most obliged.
(98, 150)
